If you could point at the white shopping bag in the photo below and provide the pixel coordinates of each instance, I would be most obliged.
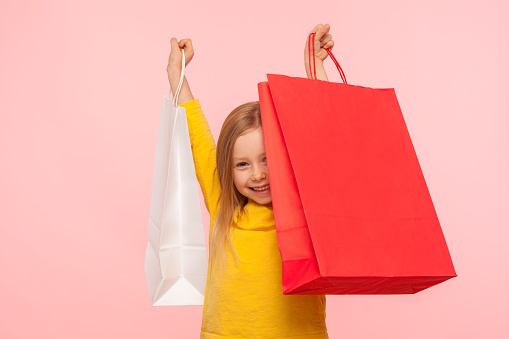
(176, 256)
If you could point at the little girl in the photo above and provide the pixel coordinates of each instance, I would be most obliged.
(243, 296)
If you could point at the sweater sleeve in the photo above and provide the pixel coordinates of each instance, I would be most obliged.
(204, 154)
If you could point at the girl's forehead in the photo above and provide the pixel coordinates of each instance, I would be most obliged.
(253, 135)
(250, 143)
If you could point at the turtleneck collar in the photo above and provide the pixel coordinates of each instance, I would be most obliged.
(255, 216)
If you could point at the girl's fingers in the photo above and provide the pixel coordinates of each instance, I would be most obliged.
(174, 59)
(174, 50)
(325, 40)
(174, 43)
(322, 37)
(321, 31)
(318, 27)
(185, 44)
(329, 44)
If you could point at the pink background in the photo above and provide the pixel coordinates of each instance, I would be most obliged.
(81, 84)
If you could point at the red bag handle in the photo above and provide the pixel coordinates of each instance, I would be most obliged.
(341, 73)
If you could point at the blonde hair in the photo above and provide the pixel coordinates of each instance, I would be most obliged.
(240, 121)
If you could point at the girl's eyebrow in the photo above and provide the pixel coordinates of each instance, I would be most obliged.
(247, 158)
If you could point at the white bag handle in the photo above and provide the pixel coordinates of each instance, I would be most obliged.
(177, 92)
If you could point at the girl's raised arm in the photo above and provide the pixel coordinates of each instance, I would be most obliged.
(203, 145)
(323, 40)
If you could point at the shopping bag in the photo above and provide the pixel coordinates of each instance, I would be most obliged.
(352, 209)
(176, 255)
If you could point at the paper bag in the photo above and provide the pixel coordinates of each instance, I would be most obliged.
(176, 255)
(352, 209)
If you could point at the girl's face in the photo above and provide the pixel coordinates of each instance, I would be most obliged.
(250, 174)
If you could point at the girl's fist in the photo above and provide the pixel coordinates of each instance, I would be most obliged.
(323, 40)
(175, 59)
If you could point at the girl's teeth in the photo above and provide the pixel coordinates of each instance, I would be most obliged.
(261, 188)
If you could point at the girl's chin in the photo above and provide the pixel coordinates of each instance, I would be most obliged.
(263, 200)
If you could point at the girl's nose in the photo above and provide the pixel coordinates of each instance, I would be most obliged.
(258, 174)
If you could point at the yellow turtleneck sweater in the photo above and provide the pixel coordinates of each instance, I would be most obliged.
(247, 300)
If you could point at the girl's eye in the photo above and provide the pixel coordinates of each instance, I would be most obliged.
(241, 164)
(264, 159)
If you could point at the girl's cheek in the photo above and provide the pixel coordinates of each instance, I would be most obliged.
(240, 177)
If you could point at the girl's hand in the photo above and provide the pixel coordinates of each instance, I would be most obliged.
(174, 68)
(175, 59)
(323, 40)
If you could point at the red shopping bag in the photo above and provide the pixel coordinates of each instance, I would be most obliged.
(353, 212)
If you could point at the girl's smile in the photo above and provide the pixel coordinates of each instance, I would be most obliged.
(261, 189)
